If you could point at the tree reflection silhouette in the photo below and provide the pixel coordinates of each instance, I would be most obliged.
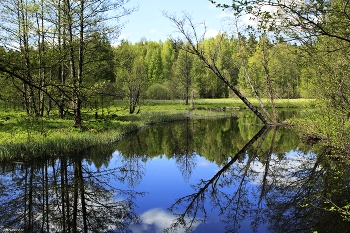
(261, 184)
(293, 193)
(65, 196)
(132, 160)
(231, 205)
(184, 153)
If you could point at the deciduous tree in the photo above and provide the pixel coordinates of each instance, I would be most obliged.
(194, 45)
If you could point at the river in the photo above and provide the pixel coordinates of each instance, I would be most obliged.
(226, 174)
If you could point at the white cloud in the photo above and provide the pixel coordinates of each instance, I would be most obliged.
(155, 31)
(225, 15)
(246, 20)
(282, 172)
(157, 217)
(115, 44)
(211, 33)
(123, 36)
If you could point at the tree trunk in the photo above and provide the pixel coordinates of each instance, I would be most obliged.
(131, 103)
(270, 91)
(235, 90)
(24, 43)
(256, 94)
(76, 78)
(192, 100)
(193, 46)
(75, 198)
(134, 96)
(187, 95)
(82, 197)
(41, 51)
(61, 37)
(78, 82)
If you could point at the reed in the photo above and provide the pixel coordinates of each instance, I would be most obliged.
(58, 143)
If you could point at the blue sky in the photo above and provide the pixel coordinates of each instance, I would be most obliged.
(149, 22)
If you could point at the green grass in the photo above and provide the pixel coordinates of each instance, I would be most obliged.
(24, 138)
(237, 103)
(224, 102)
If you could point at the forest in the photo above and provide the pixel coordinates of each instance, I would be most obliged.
(56, 59)
(68, 89)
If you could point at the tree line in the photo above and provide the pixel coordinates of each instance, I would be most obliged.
(166, 72)
(48, 57)
(142, 70)
(186, 139)
(57, 55)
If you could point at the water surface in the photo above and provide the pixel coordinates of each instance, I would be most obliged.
(199, 175)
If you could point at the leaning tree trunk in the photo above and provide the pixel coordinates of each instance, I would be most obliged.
(193, 46)
(237, 92)
(256, 94)
(216, 71)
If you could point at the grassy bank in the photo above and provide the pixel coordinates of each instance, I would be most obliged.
(23, 137)
(228, 103)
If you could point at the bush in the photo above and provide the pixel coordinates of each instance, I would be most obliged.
(158, 92)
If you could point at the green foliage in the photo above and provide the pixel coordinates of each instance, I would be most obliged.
(284, 70)
(158, 92)
(154, 64)
(284, 64)
(316, 67)
(25, 138)
(183, 74)
(210, 137)
(168, 57)
(327, 79)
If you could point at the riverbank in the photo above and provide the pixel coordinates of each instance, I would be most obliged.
(25, 138)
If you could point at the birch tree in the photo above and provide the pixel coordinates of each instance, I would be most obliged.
(193, 44)
(183, 72)
(32, 28)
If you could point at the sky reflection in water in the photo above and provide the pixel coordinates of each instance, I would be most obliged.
(164, 183)
(212, 175)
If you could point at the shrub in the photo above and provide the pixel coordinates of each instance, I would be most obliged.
(158, 92)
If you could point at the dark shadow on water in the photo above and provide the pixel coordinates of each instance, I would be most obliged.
(64, 195)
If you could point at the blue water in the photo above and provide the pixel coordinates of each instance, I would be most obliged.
(155, 187)
(164, 183)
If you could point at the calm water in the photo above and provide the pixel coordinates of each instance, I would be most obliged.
(199, 175)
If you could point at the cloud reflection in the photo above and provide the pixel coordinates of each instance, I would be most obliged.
(156, 220)
(203, 164)
(282, 171)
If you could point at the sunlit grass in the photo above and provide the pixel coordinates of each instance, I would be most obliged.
(51, 143)
(235, 102)
(223, 102)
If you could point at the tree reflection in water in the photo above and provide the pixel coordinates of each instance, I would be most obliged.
(65, 195)
(184, 153)
(262, 184)
(234, 205)
(284, 187)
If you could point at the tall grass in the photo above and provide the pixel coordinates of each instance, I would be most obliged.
(24, 139)
(57, 143)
